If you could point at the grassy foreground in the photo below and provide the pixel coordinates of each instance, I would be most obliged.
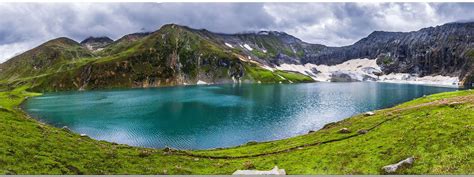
(438, 130)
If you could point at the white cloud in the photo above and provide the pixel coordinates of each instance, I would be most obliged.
(26, 25)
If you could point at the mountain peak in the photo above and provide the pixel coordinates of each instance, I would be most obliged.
(97, 39)
(60, 41)
(96, 43)
(134, 36)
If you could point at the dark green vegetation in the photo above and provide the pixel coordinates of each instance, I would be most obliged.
(179, 55)
(437, 130)
(173, 55)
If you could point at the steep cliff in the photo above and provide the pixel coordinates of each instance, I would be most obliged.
(441, 50)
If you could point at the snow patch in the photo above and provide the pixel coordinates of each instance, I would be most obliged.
(248, 47)
(267, 67)
(200, 82)
(281, 77)
(364, 70)
(426, 80)
(229, 45)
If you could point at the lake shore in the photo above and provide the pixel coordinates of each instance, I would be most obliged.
(57, 151)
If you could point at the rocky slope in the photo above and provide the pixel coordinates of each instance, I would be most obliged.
(179, 55)
(443, 50)
(172, 55)
(96, 43)
(48, 57)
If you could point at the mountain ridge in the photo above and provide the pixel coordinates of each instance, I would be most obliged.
(181, 51)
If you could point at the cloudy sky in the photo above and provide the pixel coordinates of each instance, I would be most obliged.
(26, 25)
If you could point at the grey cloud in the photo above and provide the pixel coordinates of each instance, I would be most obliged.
(26, 25)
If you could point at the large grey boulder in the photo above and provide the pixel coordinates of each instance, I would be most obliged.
(394, 167)
(274, 171)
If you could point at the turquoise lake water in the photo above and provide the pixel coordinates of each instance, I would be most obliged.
(202, 117)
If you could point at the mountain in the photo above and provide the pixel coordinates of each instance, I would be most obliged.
(443, 50)
(179, 55)
(172, 55)
(268, 47)
(96, 43)
(44, 59)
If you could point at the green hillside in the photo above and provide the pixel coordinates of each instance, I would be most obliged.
(437, 130)
(172, 55)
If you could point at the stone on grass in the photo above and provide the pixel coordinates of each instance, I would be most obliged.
(370, 113)
(83, 135)
(453, 104)
(344, 130)
(394, 167)
(362, 131)
(329, 125)
(274, 171)
(311, 131)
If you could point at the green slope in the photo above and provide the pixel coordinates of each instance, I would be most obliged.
(172, 55)
(437, 130)
(52, 56)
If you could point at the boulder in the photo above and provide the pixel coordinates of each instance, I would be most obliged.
(83, 135)
(344, 130)
(311, 131)
(394, 167)
(329, 125)
(362, 131)
(454, 104)
(274, 171)
(340, 76)
(66, 128)
(370, 113)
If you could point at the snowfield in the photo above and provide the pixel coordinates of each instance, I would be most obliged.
(357, 70)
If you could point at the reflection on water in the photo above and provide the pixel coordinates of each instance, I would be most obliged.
(199, 117)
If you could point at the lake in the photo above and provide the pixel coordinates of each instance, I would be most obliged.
(202, 117)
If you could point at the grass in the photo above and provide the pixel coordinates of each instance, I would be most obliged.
(437, 130)
(258, 74)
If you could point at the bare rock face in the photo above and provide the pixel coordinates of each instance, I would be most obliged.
(96, 43)
(442, 50)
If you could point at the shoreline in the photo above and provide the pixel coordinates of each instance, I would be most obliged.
(103, 157)
(22, 109)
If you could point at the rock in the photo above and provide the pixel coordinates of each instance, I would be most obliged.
(340, 76)
(453, 104)
(370, 113)
(311, 131)
(344, 130)
(394, 167)
(96, 43)
(329, 125)
(362, 131)
(167, 149)
(83, 135)
(66, 128)
(274, 171)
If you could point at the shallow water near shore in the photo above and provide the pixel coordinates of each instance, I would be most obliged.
(202, 117)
